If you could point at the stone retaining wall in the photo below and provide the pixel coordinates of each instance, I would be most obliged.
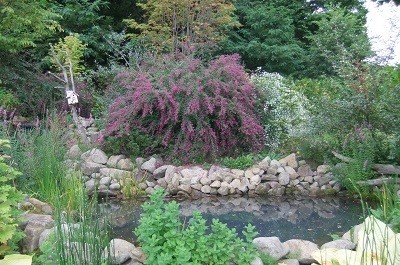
(107, 175)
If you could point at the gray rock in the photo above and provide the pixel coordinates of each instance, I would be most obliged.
(248, 173)
(262, 188)
(323, 180)
(290, 161)
(255, 180)
(185, 181)
(215, 184)
(169, 173)
(274, 185)
(205, 181)
(105, 181)
(302, 250)
(139, 161)
(149, 190)
(323, 169)
(125, 164)
(98, 156)
(272, 170)
(90, 185)
(238, 172)
(150, 184)
(192, 172)
(149, 165)
(113, 160)
(284, 178)
(42, 206)
(275, 163)
(74, 152)
(309, 179)
(223, 190)
(339, 244)
(35, 225)
(278, 191)
(115, 186)
(206, 189)
(162, 182)
(160, 172)
(197, 186)
(115, 173)
(185, 188)
(120, 251)
(44, 236)
(269, 178)
(88, 168)
(271, 246)
(304, 171)
(255, 170)
(235, 183)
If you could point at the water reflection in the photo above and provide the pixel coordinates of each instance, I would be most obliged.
(287, 218)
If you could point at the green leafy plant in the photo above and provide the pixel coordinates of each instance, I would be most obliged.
(166, 240)
(9, 197)
(388, 210)
(134, 144)
(240, 162)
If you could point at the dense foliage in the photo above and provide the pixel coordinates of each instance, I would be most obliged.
(9, 198)
(192, 108)
(166, 240)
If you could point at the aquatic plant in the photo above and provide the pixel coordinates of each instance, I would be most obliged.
(166, 240)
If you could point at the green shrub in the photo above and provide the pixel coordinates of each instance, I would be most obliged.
(9, 198)
(166, 240)
(240, 162)
(134, 144)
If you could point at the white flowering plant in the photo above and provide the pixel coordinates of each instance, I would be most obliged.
(282, 109)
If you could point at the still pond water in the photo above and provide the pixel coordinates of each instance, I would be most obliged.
(313, 219)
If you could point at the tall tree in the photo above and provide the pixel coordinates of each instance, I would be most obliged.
(341, 42)
(22, 23)
(266, 38)
(184, 25)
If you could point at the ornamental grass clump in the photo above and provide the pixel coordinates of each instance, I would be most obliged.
(190, 108)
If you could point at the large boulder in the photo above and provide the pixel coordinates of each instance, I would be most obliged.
(271, 246)
(74, 152)
(289, 160)
(150, 165)
(304, 171)
(113, 160)
(125, 164)
(120, 251)
(88, 168)
(35, 225)
(302, 249)
(160, 172)
(98, 156)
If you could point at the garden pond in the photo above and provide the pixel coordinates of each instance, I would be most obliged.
(314, 219)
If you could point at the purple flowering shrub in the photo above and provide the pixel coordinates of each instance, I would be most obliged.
(192, 109)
